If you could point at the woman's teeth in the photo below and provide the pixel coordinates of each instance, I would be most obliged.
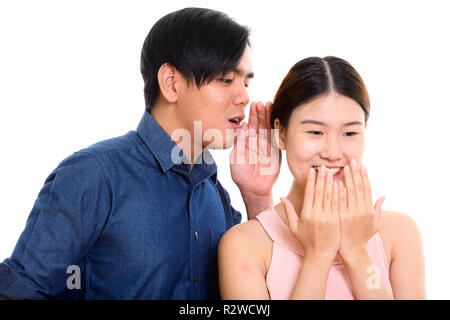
(333, 170)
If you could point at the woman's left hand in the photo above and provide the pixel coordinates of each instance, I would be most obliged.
(359, 219)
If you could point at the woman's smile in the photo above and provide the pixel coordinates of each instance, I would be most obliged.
(336, 171)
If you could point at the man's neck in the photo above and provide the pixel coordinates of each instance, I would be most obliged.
(166, 116)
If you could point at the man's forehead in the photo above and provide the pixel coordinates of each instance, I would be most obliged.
(244, 66)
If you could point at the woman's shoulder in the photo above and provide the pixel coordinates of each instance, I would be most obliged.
(395, 223)
(398, 230)
(246, 233)
(250, 240)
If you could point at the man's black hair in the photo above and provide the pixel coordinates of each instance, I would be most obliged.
(200, 43)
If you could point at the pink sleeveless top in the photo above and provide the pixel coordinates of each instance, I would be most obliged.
(287, 256)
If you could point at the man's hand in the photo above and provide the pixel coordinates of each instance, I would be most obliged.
(255, 159)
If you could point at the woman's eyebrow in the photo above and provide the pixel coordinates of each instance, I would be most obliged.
(313, 122)
(320, 123)
(352, 123)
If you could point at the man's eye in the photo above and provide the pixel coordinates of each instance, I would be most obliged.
(350, 134)
(316, 133)
(227, 81)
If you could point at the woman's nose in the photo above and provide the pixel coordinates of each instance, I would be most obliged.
(331, 150)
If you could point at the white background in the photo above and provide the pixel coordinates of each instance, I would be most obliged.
(69, 77)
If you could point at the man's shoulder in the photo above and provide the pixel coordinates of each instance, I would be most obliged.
(120, 143)
(105, 147)
(95, 156)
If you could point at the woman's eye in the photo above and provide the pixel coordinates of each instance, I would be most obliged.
(316, 133)
(350, 134)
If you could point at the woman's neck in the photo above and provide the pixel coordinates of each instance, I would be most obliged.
(296, 195)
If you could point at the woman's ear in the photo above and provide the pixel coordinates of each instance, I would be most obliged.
(282, 134)
(167, 83)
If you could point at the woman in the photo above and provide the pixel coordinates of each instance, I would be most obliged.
(326, 239)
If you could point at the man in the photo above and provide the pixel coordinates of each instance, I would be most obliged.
(140, 216)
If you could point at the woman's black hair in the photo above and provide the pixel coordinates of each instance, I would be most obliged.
(200, 43)
(313, 77)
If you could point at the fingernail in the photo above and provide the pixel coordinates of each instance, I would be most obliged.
(347, 169)
(329, 174)
(353, 163)
(363, 168)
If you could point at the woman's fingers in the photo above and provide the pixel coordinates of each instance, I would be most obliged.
(358, 186)
(319, 189)
(351, 196)
(335, 201)
(367, 187)
(328, 193)
(342, 200)
(378, 209)
(308, 199)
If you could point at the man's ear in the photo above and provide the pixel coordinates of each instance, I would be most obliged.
(282, 134)
(167, 83)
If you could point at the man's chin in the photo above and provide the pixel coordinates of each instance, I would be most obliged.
(228, 144)
(219, 139)
(220, 146)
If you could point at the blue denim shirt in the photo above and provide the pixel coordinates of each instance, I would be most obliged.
(136, 224)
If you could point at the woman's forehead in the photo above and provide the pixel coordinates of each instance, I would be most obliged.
(331, 107)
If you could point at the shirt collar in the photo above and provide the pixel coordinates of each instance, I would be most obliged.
(161, 146)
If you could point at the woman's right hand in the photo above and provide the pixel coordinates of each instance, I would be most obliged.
(317, 228)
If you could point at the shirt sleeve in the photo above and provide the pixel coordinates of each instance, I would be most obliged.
(233, 216)
(66, 219)
(237, 216)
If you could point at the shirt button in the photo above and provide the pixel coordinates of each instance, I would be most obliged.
(196, 280)
(196, 235)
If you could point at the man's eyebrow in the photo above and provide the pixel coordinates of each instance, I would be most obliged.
(249, 75)
(320, 123)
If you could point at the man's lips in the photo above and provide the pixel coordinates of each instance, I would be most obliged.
(236, 126)
(236, 121)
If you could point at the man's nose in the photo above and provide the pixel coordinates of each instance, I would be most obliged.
(241, 97)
